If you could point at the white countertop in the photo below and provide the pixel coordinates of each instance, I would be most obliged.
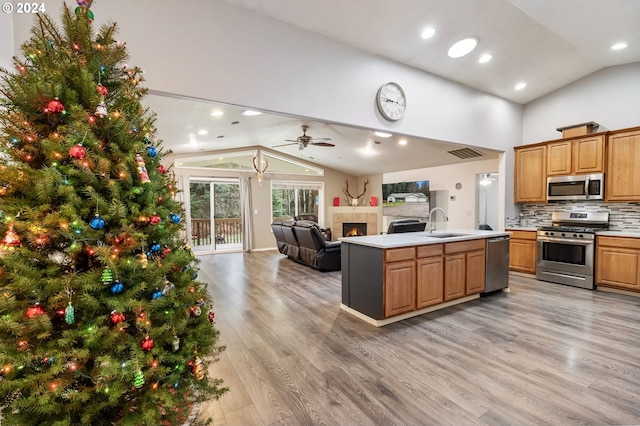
(420, 238)
(630, 234)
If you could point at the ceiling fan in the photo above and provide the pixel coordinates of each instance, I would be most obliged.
(305, 140)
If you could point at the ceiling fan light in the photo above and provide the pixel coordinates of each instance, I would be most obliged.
(462, 47)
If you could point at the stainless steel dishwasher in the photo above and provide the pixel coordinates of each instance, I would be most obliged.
(497, 264)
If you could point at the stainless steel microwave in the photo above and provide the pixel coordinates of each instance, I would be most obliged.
(577, 187)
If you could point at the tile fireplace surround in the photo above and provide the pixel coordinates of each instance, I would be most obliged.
(368, 215)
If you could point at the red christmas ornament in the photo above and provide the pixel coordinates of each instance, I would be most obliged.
(77, 152)
(54, 106)
(166, 251)
(102, 90)
(162, 169)
(34, 311)
(212, 316)
(155, 219)
(117, 317)
(147, 344)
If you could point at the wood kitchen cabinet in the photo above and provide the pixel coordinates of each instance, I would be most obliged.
(530, 177)
(576, 156)
(429, 276)
(464, 269)
(399, 281)
(522, 251)
(623, 173)
(618, 262)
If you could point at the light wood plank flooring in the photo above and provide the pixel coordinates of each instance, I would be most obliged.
(542, 354)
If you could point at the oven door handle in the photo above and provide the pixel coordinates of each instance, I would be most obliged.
(565, 241)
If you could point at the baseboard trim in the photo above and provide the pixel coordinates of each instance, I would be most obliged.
(618, 291)
(386, 321)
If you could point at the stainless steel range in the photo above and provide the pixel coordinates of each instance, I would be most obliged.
(565, 251)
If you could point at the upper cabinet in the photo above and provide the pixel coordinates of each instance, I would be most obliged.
(576, 156)
(623, 173)
(530, 177)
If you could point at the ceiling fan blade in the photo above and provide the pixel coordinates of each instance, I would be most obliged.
(322, 143)
(320, 139)
(292, 140)
(284, 144)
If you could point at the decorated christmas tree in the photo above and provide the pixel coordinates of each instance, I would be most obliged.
(102, 319)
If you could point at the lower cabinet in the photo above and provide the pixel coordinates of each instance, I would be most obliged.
(618, 262)
(464, 269)
(429, 282)
(399, 289)
(522, 251)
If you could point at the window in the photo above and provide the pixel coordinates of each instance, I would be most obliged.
(289, 199)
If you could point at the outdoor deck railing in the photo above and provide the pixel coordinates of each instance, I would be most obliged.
(227, 231)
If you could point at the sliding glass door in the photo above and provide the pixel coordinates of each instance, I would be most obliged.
(215, 215)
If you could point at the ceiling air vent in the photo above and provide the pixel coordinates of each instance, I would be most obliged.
(466, 153)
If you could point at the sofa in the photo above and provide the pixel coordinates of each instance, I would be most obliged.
(303, 242)
(406, 225)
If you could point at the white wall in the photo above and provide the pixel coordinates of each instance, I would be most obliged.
(6, 40)
(610, 97)
(462, 210)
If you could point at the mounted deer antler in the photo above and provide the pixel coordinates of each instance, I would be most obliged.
(354, 200)
(260, 172)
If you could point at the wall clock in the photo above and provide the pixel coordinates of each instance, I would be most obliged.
(391, 101)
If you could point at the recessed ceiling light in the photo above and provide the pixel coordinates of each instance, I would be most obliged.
(217, 113)
(427, 33)
(383, 134)
(520, 86)
(485, 58)
(463, 47)
(402, 142)
(203, 132)
(250, 113)
(619, 46)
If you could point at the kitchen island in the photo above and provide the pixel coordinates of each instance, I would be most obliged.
(391, 277)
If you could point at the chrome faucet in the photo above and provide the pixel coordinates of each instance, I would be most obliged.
(433, 210)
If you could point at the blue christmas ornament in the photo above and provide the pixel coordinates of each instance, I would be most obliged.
(15, 140)
(157, 294)
(117, 287)
(152, 151)
(97, 223)
(174, 218)
(155, 248)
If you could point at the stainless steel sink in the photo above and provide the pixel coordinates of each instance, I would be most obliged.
(445, 235)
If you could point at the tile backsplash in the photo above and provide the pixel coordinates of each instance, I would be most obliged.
(622, 216)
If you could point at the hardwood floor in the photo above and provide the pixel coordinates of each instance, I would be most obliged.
(542, 354)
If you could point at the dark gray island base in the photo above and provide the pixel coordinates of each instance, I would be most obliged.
(388, 278)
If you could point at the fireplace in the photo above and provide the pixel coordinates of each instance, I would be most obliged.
(354, 229)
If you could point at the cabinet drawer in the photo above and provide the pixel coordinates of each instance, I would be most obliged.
(523, 235)
(464, 246)
(430, 250)
(622, 242)
(399, 254)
